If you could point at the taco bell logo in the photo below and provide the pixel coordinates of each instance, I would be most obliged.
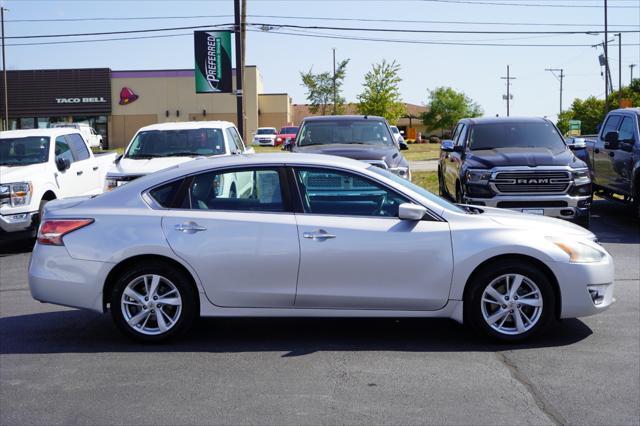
(98, 100)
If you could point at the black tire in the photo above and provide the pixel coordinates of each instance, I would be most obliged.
(36, 223)
(441, 189)
(473, 315)
(459, 195)
(182, 282)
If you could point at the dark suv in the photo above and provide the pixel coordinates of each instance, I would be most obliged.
(361, 137)
(522, 164)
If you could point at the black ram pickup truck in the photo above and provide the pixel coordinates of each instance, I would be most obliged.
(614, 157)
(361, 137)
(521, 164)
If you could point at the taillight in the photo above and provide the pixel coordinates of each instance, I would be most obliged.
(51, 231)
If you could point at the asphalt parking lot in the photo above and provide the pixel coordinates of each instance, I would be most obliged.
(65, 366)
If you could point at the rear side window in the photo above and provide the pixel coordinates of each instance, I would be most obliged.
(63, 150)
(78, 147)
(165, 195)
(611, 125)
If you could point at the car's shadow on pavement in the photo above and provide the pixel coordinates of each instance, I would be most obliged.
(614, 222)
(16, 244)
(75, 331)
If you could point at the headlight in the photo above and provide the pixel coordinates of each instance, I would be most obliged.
(16, 194)
(403, 172)
(579, 252)
(581, 177)
(478, 176)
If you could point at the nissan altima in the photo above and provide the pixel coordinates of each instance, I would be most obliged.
(310, 236)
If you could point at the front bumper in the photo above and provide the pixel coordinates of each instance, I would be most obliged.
(17, 221)
(55, 277)
(579, 281)
(563, 206)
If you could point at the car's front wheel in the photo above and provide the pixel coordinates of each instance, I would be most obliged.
(153, 302)
(510, 301)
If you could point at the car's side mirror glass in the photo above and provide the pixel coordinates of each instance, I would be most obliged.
(62, 164)
(403, 145)
(577, 143)
(447, 145)
(410, 211)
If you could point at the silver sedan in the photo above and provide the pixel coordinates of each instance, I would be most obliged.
(310, 235)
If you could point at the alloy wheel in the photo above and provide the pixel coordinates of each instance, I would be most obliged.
(151, 304)
(511, 304)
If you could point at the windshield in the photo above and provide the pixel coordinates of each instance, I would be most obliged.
(176, 143)
(24, 151)
(289, 131)
(266, 132)
(516, 135)
(360, 131)
(415, 188)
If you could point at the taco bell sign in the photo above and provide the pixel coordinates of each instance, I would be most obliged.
(213, 72)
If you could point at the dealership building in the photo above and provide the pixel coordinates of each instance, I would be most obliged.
(118, 103)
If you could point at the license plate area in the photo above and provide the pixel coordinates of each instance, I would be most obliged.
(539, 212)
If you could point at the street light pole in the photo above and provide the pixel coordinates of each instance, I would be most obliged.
(4, 75)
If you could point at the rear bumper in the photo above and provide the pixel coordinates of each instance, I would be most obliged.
(561, 206)
(17, 222)
(55, 277)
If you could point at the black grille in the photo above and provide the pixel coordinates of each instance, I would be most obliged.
(533, 175)
(511, 188)
(532, 182)
(525, 204)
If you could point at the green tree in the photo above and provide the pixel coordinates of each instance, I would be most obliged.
(381, 94)
(446, 107)
(589, 111)
(320, 90)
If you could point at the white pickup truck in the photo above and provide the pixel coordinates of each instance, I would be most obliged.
(160, 146)
(40, 165)
(93, 138)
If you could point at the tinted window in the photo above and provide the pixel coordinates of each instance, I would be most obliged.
(626, 130)
(341, 193)
(165, 195)
(456, 132)
(289, 130)
(78, 147)
(175, 143)
(611, 125)
(244, 190)
(462, 135)
(359, 131)
(516, 135)
(63, 150)
(23, 151)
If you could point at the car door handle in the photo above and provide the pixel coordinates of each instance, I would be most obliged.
(79, 172)
(319, 235)
(95, 168)
(189, 227)
(611, 154)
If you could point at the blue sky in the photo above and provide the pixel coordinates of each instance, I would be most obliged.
(475, 70)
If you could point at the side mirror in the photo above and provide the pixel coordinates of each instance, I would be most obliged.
(62, 164)
(118, 158)
(402, 132)
(611, 140)
(403, 145)
(447, 145)
(576, 143)
(409, 211)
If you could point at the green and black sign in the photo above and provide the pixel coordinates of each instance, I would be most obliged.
(213, 61)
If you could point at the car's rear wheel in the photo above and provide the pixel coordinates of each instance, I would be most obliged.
(510, 301)
(153, 302)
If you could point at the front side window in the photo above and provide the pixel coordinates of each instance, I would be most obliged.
(63, 150)
(243, 190)
(340, 193)
(462, 135)
(611, 125)
(626, 130)
(516, 135)
(78, 147)
(344, 131)
(176, 143)
(24, 151)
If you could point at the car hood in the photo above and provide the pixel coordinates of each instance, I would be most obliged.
(541, 225)
(11, 174)
(128, 166)
(388, 154)
(531, 157)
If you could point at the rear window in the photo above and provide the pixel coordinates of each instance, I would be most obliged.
(289, 130)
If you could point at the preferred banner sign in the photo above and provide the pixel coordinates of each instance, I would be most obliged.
(213, 61)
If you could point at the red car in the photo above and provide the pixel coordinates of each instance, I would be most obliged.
(286, 135)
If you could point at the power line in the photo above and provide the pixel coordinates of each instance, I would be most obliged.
(493, 3)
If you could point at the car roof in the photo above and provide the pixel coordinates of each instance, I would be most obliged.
(51, 132)
(498, 120)
(186, 125)
(343, 118)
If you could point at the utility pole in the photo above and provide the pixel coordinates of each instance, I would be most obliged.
(631, 67)
(4, 75)
(243, 38)
(335, 107)
(619, 35)
(606, 60)
(560, 78)
(508, 97)
(239, 70)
